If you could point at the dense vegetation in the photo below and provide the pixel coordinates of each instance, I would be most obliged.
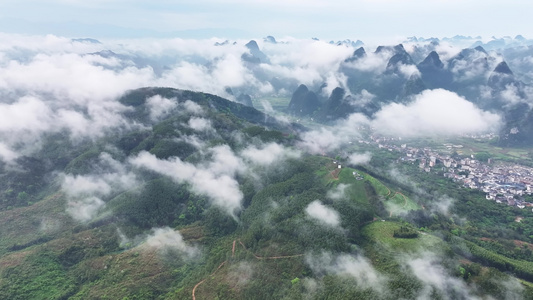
(305, 229)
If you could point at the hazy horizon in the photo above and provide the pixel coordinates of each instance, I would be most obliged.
(362, 19)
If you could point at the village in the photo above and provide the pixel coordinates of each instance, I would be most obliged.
(502, 182)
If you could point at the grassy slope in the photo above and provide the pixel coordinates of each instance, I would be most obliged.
(381, 232)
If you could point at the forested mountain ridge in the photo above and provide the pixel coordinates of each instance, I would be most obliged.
(198, 196)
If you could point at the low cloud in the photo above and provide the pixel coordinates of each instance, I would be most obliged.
(214, 178)
(50, 225)
(323, 214)
(193, 107)
(269, 154)
(6, 154)
(123, 240)
(354, 266)
(363, 98)
(326, 139)
(225, 71)
(321, 141)
(84, 209)
(241, 274)
(166, 239)
(338, 192)
(476, 66)
(85, 193)
(160, 106)
(199, 124)
(372, 62)
(82, 185)
(306, 61)
(334, 80)
(360, 158)
(442, 205)
(434, 112)
(428, 269)
(409, 70)
(113, 177)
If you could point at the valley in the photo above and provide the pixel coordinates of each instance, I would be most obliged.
(246, 170)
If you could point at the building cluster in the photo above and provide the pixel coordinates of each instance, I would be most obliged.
(501, 182)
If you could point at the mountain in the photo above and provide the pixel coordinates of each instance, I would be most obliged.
(502, 78)
(420, 51)
(348, 42)
(400, 58)
(111, 191)
(270, 39)
(211, 199)
(255, 56)
(393, 83)
(433, 72)
(245, 99)
(432, 62)
(91, 210)
(86, 40)
(414, 86)
(357, 54)
(303, 102)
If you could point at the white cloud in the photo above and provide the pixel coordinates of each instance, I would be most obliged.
(221, 73)
(241, 274)
(318, 211)
(85, 192)
(71, 77)
(321, 141)
(360, 158)
(477, 65)
(372, 62)
(432, 274)
(82, 185)
(326, 139)
(446, 51)
(362, 98)
(168, 239)
(339, 192)
(353, 266)
(442, 205)
(269, 154)
(308, 62)
(409, 70)
(6, 154)
(434, 112)
(192, 107)
(114, 178)
(85, 209)
(224, 161)
(334, 80)
(199, 124)
(27, 114)
(213, 179)
(160, 107)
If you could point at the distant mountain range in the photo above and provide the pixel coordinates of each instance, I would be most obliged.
(482, 77)
(495, 75)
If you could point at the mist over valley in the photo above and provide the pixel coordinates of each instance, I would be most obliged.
(266, 168)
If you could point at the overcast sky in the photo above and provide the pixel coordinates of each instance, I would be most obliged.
(325, 19)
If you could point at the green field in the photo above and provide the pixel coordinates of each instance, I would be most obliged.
(382, 232)
(399, 204)
(474, 146)
(381, 189)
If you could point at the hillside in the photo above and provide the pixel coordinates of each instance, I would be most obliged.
(200, 197)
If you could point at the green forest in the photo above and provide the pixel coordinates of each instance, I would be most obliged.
(306, 226)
